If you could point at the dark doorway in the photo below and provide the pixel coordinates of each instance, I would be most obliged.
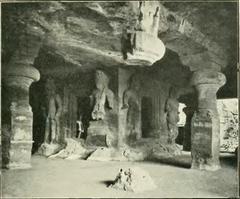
(84, 112)
(37, 100)
(146, 113)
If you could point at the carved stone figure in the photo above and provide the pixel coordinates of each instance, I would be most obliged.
(53, 112)
(127, 41)
(100, 95)
(148, 18)
(147, 22)
(80, 128)
(171, 109)
(131, 101)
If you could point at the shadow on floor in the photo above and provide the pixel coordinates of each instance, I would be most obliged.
(228, 160)
(107, 182)
(183, 161)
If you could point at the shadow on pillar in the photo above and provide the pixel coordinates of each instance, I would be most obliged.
(36, 101)
(6, 123)
(146, 112)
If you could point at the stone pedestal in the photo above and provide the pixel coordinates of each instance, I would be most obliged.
(99, 134)
(189, 111)
(205, 122)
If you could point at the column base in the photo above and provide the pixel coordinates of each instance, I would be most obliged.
(205, 141)
(20, 155)
(208, 165)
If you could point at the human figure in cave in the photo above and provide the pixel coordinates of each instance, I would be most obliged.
(53, 111)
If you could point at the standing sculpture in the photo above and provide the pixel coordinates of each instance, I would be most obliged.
(148, 18)
(171, 109)
(98, 132)
(53, 112)
(80, 128)
(100, 95)
(132, 103)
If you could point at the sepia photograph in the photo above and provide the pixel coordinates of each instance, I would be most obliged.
(119, 99)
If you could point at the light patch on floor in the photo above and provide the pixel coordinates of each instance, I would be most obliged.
(81, 178)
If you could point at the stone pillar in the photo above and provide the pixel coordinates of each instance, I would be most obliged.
(123, 78)
(157, 119)
(189, 111)
(18, 75)
(205, 141)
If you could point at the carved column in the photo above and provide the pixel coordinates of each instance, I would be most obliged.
(18, 75)
(205, 122)
(189, 111)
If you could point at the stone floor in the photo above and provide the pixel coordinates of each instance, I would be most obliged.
(81, 178)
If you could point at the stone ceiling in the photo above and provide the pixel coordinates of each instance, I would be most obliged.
(82, 35)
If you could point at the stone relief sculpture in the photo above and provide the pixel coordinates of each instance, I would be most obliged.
(98, 132)
(148, 18)
(100, 95)
(53, 112)
(171, 109)
(127, 41)
(147, 21)
(131, 101)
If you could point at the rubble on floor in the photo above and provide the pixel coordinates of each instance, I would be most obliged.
(107, 154)
(144, 149)
(133, 179)
(75, 149)
(49, 149)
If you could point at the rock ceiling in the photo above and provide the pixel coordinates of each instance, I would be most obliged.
(81, 35)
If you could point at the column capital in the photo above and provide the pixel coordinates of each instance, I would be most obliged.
(21, 76)
(19, 71)
(207, 76)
